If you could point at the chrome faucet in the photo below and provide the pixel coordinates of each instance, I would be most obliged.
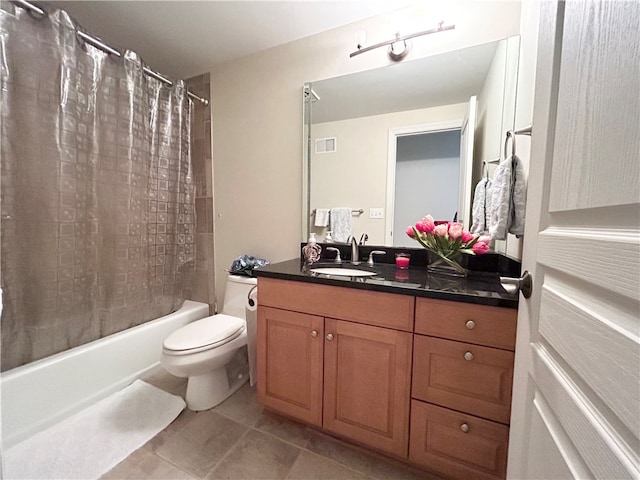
(338, 259)
(355, 251)
(375, 252)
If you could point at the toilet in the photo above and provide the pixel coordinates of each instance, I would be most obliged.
(202, 349)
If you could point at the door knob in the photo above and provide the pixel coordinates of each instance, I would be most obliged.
(314, 333)
(524, 284)
(330, 336)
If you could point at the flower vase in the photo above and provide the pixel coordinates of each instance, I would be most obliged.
(442, 265)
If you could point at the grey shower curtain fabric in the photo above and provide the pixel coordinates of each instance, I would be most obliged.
(97, 200)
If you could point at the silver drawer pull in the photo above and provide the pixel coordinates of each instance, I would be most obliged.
(314, 333)
(330, 336)
(468, 356)
(470, 324)
(464, 427)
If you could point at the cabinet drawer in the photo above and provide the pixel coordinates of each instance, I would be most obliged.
(465, 377)
(456, 444)
(362, 306)
(480, 324)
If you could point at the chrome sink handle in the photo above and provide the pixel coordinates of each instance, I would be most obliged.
(375, 252)
(337, 250)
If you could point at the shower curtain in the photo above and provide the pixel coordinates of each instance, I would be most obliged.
(96, 194)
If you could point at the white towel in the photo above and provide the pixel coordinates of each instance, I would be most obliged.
(322, 217)
(481, 207)
(508, 199)
(341, 224)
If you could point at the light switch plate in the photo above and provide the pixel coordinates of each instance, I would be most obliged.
(376, 213)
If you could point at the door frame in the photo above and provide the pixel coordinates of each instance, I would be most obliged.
(394, 134)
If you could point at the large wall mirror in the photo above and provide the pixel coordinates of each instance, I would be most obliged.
(400, 141)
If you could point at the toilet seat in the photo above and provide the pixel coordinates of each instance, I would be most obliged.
(204, 334)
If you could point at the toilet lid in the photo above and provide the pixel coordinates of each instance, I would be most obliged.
(218, 329)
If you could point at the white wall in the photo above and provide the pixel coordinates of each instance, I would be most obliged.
(257, 118)
(489, 130)
(356, 174)
(525, 96)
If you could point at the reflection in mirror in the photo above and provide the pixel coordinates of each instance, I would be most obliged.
(407, 139)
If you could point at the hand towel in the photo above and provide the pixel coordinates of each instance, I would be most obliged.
(481, 207)
(322, 217)
(341, 224)
(518, 199)
(508, 199)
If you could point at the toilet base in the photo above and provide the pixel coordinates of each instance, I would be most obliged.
(208, 390)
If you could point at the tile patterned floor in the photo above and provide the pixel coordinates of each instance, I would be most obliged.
(235, 440)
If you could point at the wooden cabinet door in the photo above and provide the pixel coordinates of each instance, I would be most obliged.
(367, 384)
(290, 353)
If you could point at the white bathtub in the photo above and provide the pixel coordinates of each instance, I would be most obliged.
(40, 394)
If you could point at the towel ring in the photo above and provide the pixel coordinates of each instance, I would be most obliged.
(511, 135)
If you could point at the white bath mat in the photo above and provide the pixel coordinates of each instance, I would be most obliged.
(93, 441)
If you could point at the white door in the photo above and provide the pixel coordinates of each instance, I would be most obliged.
(576, 399)
(466, 163)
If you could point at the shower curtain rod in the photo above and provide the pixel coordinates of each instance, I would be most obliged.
(96, 42)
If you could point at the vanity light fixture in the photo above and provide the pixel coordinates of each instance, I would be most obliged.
(398, 47)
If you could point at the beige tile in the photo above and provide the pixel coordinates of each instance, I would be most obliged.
(201, 442)
(382, 468)
(311, 466)
(257, 455)
(199, 289)
(338, 451)
(161, 438)
(159, 377)
(369, 463)
(208, 166)
(143, 464)
(287, 430)
(242, 406)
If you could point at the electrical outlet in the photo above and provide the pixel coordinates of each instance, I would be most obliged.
(376, 213)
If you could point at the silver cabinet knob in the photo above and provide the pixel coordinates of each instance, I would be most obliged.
(470, 324)
(464, 427)
(468, 356)
(330, 336)
(314, 333)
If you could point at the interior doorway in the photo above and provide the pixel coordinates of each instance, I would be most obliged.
(426, 179)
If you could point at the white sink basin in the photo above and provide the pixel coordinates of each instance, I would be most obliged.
(343, 272)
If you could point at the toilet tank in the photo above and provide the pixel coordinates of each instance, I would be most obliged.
(236, 294)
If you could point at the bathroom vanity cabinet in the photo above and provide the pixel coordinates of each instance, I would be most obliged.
(422, 379)
(318, 367)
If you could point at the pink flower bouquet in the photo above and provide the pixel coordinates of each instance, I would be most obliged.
(447, 241)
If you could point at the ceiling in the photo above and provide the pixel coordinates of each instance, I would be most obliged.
(185, 38)
(444, 79)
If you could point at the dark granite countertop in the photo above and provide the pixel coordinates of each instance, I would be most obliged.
(479, 287)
